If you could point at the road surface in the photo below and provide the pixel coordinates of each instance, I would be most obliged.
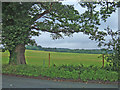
(20, 82)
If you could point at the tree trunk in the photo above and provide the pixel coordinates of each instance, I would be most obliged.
(17, 56)
(11, 60)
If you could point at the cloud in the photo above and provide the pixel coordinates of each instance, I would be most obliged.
(78, 40)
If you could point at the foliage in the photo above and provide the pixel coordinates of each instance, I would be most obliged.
(112, 44)
(88, 51)
(24, 18)
(16, 25)
(19, 26)
(27, 19)
(63, 72)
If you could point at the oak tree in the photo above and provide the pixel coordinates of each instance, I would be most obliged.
(23, 20)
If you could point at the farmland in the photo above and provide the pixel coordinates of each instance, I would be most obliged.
(74, 66)
(34, 57)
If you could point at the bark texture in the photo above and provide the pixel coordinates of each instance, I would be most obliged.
(20, 50)
(17, 56)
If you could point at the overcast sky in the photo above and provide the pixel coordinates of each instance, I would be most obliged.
(79, 40)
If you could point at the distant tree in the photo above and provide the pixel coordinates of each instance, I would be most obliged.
(113, 45)
(39, 46)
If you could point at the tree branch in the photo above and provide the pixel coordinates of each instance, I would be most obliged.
(52, 31)
(45, 12)
(42, 14)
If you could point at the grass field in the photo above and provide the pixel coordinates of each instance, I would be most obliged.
(72, 71)
(34, 57)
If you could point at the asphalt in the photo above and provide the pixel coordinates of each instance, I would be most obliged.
(20, 82)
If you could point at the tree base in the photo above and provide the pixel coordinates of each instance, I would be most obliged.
(17, 56)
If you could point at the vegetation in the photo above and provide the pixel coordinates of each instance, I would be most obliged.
(41, 58)
(16, 30)
(88, 51)
(23, 22)
(24, 19)
(54, 21)
(20, 25)
(75, 66)
(74, 72)
(114, 45)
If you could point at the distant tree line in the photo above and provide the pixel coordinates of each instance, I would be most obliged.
(88, 51)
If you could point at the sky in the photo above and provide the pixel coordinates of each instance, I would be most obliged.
(78, 40)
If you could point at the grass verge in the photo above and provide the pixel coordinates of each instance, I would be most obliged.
(74, 72)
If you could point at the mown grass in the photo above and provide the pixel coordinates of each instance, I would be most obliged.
(34, 57)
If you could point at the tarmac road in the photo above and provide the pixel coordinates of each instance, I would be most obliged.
(20, 82)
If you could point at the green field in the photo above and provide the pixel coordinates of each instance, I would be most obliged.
(34, 57)
(70, 70)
